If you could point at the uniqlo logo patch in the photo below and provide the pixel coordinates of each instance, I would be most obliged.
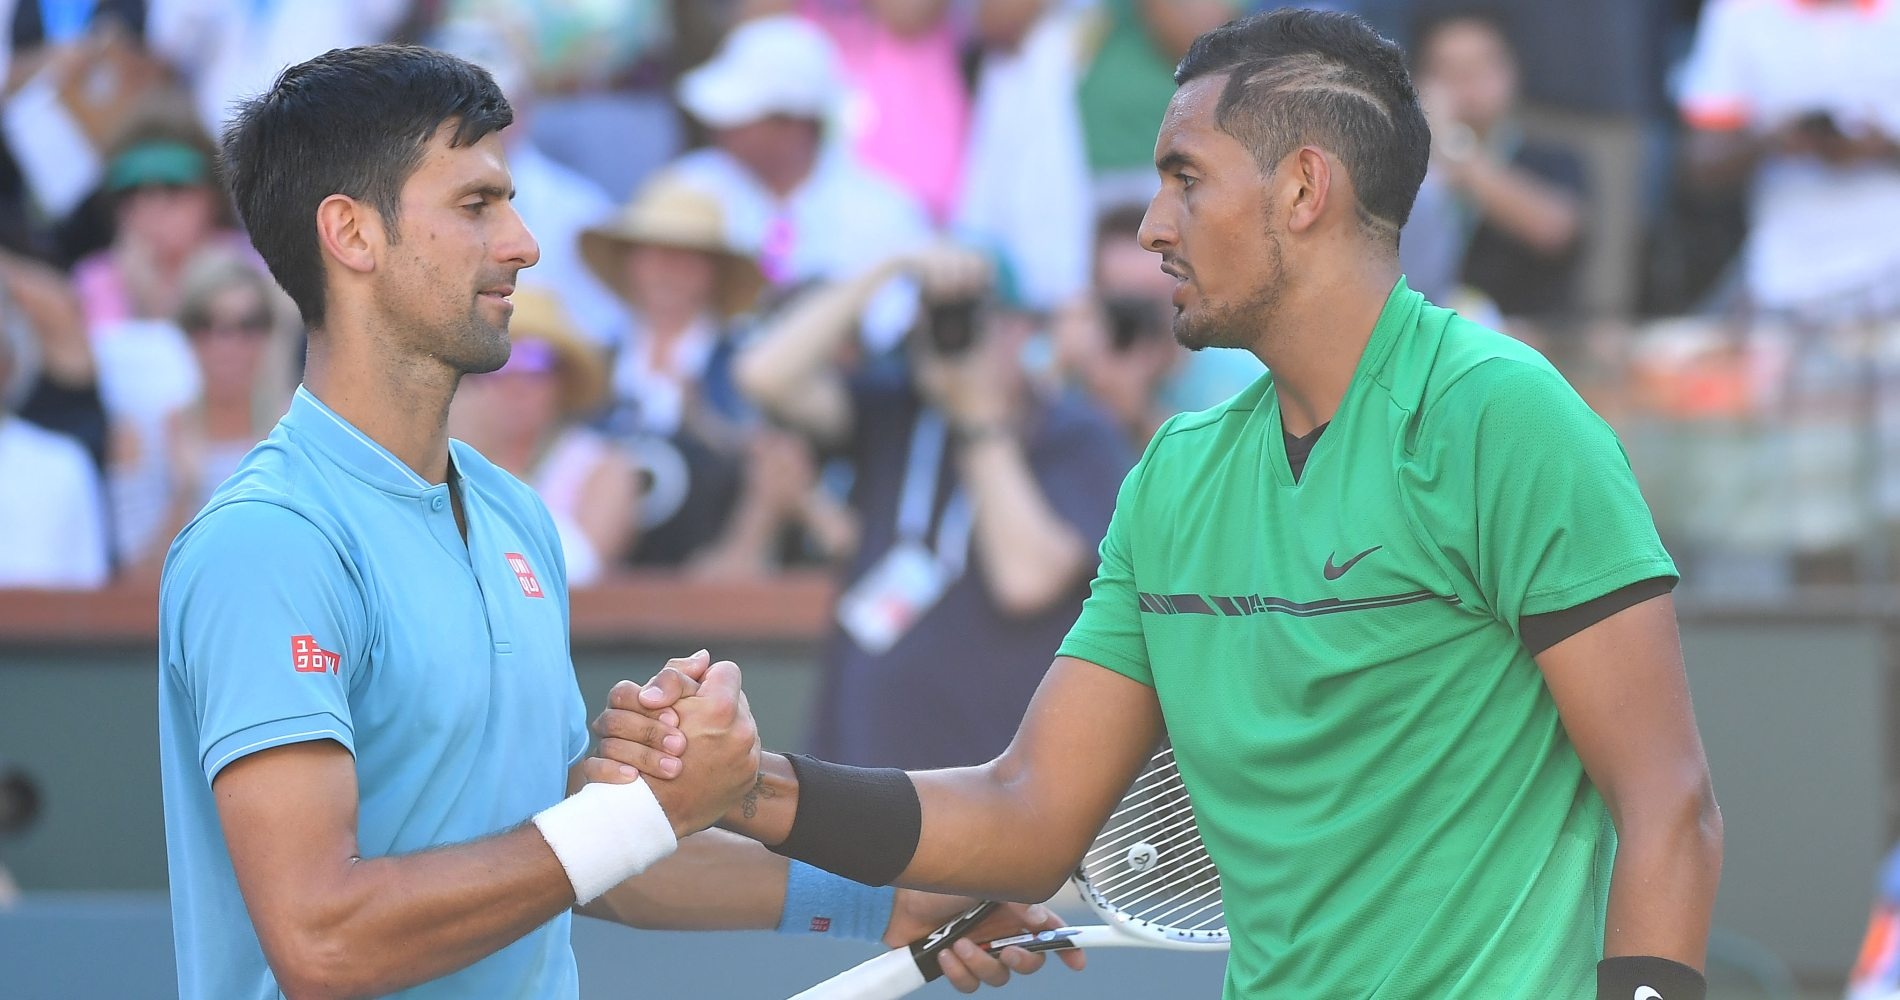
(306, 657)
(820, 925)
(530, 587)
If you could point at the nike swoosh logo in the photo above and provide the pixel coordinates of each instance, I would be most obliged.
(1335, 572)
(1645, 993)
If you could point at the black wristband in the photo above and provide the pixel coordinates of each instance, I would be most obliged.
(1646, 977)
(859, 822)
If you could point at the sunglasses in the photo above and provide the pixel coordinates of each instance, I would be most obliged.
(250, 325)
(530, 357)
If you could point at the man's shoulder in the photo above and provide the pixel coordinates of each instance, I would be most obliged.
(1196, 428)
(272, 506)
(494, 481)
(1480, 375)
(1190, 443)
(247, 540)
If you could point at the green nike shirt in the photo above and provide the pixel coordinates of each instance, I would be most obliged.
(1377, 766)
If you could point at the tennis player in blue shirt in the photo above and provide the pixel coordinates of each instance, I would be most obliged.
(370, 732)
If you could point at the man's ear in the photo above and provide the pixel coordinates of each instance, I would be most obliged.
(350, 232)
(1310, 190)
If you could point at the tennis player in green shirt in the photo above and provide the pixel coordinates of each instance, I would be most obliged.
(1399, 606)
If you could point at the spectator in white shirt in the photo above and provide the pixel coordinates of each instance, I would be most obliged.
(52, 529)
(807, 208)
(1803, 98)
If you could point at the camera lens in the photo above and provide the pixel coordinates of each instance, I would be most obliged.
(952, 325)
(19, 799)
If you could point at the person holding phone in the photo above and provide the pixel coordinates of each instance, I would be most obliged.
(981, 496)
(1801, 102)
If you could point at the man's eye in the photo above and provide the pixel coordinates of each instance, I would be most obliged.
(475, 207)
(1186, 180)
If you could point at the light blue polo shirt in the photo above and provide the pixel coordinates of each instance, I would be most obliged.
(325, 594)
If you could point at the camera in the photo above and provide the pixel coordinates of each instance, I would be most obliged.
(1131, 320)
(19, 799)
(952, 326)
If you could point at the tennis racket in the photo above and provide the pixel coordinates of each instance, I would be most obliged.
(1147, 874)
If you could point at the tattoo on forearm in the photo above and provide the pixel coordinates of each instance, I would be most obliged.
(749, 803)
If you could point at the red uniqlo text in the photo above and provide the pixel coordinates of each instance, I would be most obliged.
(530, 587)
(306, 657)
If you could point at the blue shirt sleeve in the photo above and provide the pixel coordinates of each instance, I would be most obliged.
(267, 632)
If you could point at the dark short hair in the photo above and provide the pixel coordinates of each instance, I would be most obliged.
(354, 122)
(1327, 78)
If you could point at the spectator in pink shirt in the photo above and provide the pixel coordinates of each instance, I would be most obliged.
(907, 111)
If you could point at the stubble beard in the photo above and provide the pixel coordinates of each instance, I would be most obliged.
(1235, 324)
(473, 345)
(478, 346)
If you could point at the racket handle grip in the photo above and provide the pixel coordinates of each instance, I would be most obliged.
(889, 976)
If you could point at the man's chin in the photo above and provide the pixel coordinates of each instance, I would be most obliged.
(1196, 336)
(487, 350)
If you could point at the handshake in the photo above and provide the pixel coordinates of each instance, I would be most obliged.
(690, 734)
(690, 730)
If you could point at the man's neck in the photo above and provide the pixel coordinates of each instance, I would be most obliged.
(1319, 334)
(401, 404)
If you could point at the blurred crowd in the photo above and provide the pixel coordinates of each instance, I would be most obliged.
(801, 259)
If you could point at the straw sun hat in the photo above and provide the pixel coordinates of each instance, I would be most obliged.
(671, 213)
(539, 319)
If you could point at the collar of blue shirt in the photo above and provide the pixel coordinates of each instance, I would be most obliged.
(337, 438)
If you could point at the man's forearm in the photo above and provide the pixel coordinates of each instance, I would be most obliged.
(765, 812)
(1031, 556)
(1543, 217)
(715, 881)
(1662, 888)
(980, 835)
(787, 356)
(390, 923)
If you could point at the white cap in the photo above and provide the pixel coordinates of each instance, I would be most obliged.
(780, 65)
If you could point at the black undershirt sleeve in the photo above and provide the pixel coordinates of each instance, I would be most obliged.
(1540, 632)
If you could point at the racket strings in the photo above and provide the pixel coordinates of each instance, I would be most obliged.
(1149, 862)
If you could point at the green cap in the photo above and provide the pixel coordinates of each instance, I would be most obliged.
(158, 162)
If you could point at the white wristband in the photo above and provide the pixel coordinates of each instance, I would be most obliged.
(605, 834)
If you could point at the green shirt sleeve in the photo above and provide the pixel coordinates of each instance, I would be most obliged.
(1530, 497)
(1108, 631)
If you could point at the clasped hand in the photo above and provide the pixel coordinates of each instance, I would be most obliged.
(694, 702)
(703, 707)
